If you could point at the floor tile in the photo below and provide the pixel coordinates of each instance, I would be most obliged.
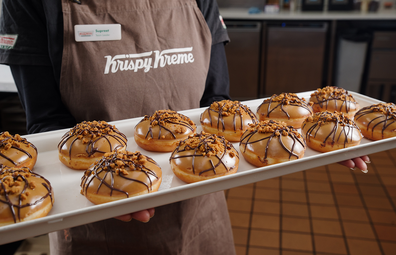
(341, 188)
(296, 224)
(318, 186)
(245, 192)
(367, 179)
(317, 176)
(389, 180)
(265, 221)
(240, 250)
(388, 248)
(385, 232)
(323, 212)
(268, 194)
(242, 205)
(329, 227)
(372, 190)
(391, 191)
(381, 216)
(342, 177)
(288, 184)
(264, 238)
(348, 200)
(286, 252)
(363, 247)
(240, 236)
(296, 176)
(294, 196)
(375, 202)
(386, 169)
(330, 244)
(290, 209)
(239, 219)
(353, 214)
(262, 206)
(270, 183)
(263, 251)
(337, 168)
(321, 198)
(297, 241)
(357, 229)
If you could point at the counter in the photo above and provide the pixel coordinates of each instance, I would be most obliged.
(7, 83)
(242, 14)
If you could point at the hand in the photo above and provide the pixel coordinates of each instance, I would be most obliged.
(360, 163)
(143, 216)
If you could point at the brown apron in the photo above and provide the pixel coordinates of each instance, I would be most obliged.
(98, 81)
(107, 80)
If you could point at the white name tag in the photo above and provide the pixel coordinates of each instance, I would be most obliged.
(103, 32)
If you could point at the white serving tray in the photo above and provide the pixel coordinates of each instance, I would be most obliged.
(72, 209)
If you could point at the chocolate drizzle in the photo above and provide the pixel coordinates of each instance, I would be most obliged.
(282, 100)
(117, 165)
(276, 130)
(8, 142)
(163, 118)
(226, 108)
(205, 145)
(330, 93)
(387, 116)
(91, 133)
(21, 176)
(348, 127)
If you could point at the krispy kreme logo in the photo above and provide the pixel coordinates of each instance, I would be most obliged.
(148, 60)
(7, 42)
(85, 33)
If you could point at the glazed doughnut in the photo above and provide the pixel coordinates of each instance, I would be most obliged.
(16, 151)
(286, 107)
(120, 175)
(377, 121)
(87, 142)
(334, 99)
(326, 131)
(163, 130)
(227, 118)
(270, 142)
(204, 156)
(24, 195)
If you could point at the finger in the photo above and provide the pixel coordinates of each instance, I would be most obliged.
(359, 163)
(143, 216)
(348, 163)
(366, 159)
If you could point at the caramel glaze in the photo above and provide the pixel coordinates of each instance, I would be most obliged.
(90, 138)
(334, 99)
(16, 151)
(165, 124)
(205, 154)
(273, 139)
(331, 129)
(379, 117)
(287, 105)
(121, 174)
(228, 115)
(22, 193)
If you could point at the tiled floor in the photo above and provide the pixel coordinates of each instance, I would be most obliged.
(328, 210)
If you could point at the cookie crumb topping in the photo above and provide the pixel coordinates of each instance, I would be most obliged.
(332, 93)
(278, 128)
(88, 130)
(208, 144)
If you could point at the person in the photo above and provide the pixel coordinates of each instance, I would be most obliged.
(62, 82)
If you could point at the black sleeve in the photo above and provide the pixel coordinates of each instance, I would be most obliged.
(210, 11)
(217, 82)
(40, 97)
